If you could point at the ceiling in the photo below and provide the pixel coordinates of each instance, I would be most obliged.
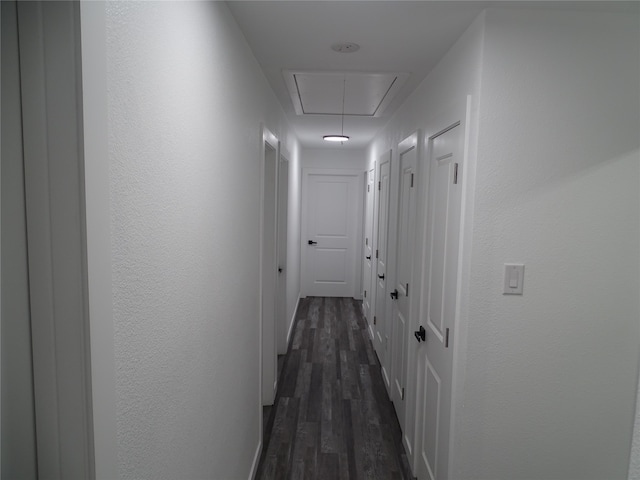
(399, 40)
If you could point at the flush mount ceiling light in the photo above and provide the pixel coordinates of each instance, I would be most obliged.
(335, 138)
(342, 137)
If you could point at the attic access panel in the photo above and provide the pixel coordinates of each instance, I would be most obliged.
(320, 93)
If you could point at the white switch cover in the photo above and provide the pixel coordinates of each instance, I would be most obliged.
(513, 278)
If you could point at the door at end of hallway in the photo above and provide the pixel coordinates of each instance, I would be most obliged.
(332, 212)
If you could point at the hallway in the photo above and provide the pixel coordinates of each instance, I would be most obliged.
(172, 211)
(332, 417)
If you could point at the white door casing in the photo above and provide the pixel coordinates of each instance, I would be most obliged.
(18, 433)
(268, 266)
(439, 305)
(368, 264)
(381, 254)
(282, 213)
(331, 219)
(404, 269)
(56, 225)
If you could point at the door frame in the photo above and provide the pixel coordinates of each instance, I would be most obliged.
(357, 283)
(370, 297)
(282, 194)
(268, 276)
(57, 232)
(447, 117)
(387, 156)
(414, 140)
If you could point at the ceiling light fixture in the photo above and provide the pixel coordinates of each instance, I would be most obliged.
(342, 137)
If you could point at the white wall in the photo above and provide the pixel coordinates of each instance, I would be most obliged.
(546, 382)
(182, 104)
(551, 375)
(334, 156)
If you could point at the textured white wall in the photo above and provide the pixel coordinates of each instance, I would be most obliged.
(333, 156)
(549, 380)
(551, 375)
(184, 99)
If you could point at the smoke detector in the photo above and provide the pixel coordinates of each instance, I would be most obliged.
(348, 47)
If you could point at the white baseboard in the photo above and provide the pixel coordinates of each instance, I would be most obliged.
(385, 379)
(409, 450)
(292, 320)
(256, 460)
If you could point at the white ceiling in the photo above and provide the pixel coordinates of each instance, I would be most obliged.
(394, 36)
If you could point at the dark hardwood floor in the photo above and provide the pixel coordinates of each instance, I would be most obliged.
(332, 417)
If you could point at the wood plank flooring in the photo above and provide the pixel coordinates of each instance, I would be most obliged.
(332, 417)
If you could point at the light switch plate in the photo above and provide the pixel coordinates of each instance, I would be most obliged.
(513, 278)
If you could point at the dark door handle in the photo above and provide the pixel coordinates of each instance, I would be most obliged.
(368, 257)
(279, 269)
(381, 277)
(421, 334)
(394, 294)
(311, 242)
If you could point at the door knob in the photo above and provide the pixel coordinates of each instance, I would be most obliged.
(394, 294)
(279, 269)
(368, 257)
(381, 277)
(311, 242)
(421, 334)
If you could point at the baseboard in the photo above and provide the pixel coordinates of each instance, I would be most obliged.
(408, 449)
(256, 460)
(385, 379)
(292, 320)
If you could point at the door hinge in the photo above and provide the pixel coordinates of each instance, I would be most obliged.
(379, 186)
(366, 241)
(375, 320)
(376, 253)
(365, 294)
(412, 180)
(446, 341)
(402, 393)
(368, 188)
(407, 290)
(455, 173)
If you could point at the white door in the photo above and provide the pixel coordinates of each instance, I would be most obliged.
(367, 294)
(435, 355)
(401, 308)
(269, 269)
(380, 337)
(331, 214)
(282, 322)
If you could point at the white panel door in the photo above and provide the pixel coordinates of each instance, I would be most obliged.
(435, 354)
(331, 206)
(401, 308)
(368, 296)
(380, 339)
